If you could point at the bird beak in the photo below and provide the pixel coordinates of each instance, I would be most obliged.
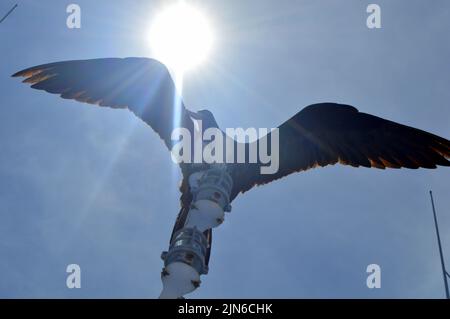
(194, 115)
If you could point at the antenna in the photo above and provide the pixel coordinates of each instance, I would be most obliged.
(444, 271)
(9, 12)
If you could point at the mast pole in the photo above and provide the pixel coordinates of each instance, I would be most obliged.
(444, 271)
(9, 12)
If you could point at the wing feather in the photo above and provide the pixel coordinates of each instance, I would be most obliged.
(142, 85)
(326, 134)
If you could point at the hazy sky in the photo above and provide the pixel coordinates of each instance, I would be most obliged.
(96, 187)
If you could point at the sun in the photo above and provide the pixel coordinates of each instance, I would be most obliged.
(180, 37)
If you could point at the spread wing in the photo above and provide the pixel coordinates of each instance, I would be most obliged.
(142, 85)
(326, 134)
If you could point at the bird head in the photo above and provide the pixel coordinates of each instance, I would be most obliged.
(206, 117)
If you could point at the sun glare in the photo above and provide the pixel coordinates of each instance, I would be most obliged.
(180, 37)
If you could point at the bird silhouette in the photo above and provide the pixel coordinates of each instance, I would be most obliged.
(319, 135)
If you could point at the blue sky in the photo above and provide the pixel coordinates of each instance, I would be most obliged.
(96, 187)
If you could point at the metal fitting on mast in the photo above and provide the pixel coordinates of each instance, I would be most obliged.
(185, 260)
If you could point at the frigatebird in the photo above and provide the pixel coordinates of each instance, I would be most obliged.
(319, 135)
